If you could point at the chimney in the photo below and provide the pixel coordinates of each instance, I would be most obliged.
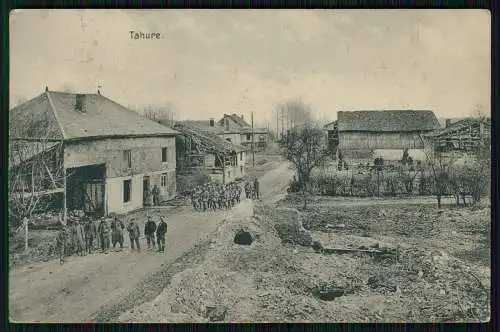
(447, 123)
(80, 103)
(226, 120)
(212, 122)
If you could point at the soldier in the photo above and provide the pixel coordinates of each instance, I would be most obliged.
(61, 243)
(134, 233)
(160, 234)
(104, 231)
(193, 194)
(247, 189)
(256, 188)
(78, 238)
(149, 232)
(90, 235)
(117, 227)
(238, 193)
(204, 198)
(156, 195)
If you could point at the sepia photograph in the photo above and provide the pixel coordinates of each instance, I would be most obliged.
(249, 166)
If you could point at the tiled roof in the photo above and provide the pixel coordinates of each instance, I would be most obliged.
(387, 121)
(99, 117)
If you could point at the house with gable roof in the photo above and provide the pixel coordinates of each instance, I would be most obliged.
(365, 135)
(112, 156)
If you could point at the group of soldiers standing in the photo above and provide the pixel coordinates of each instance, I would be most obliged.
(211, 196)
(83, 237)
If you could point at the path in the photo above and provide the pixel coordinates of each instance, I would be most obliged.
(50, 292)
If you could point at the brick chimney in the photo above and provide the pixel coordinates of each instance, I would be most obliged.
(80, 103)
(212, 122)
(447, 123)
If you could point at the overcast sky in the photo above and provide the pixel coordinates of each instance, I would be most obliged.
(210, 62)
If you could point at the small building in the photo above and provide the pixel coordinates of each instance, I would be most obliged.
(234, 128)
(364, 135)
(200, 147)
(462, 135)
(111, 157)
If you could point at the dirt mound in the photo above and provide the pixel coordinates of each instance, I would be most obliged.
(272, 281)
(287, 222)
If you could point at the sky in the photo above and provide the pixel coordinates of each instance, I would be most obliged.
(211, 62)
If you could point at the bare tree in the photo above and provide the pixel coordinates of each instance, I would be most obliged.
(36, 170)
(293, 113)
(306, 148)
(441, 164)
(163, 114)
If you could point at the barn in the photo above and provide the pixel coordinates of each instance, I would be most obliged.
(365, 135)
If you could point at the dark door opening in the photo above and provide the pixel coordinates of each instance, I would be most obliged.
(86, 189)
(146, 191)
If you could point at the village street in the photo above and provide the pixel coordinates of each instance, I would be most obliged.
(72, 292)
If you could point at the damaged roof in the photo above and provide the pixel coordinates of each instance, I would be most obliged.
(59, 116)
(387, 121)
(207, 136)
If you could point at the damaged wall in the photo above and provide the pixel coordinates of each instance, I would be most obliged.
(146, 160)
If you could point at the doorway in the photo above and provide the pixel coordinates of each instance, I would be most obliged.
(146, 191)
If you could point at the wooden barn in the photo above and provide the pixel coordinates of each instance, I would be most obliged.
(463, 135)
(365, 135)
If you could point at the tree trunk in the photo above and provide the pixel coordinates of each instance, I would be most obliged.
(439, 200)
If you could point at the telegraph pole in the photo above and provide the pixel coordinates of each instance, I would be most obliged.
(277, 124)
(253, 143)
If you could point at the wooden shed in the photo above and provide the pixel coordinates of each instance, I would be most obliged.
(362, 132)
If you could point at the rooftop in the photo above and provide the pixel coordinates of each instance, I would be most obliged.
(68, 116)
(387, 121)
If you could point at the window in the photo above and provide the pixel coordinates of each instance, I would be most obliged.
(163, 180)
(249, 137)
(127, 158)
(164, 157)
(127, 188)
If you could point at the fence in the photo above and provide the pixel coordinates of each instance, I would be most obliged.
(364, 181)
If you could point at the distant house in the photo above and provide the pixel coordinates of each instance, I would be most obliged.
(200, 147)
(234, 128)
(111, 156)
(368, 134)
(462, 135)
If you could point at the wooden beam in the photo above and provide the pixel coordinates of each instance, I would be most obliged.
(38, 193)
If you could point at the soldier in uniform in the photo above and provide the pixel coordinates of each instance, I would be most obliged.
(104, 231)
(238, 193)
(256, 188)
(90, 235)
(149, 232)
(77, 233)
(193, 197)
(117, 227)
(160, 234)
(134, 233)
(204, 198)
(156, 195)
(62, 243)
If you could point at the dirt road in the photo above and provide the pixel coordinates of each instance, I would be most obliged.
(73, 292)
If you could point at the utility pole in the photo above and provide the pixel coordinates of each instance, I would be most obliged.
(253, 142)
(277, 123)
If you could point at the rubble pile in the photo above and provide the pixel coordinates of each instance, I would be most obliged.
(373, 280)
